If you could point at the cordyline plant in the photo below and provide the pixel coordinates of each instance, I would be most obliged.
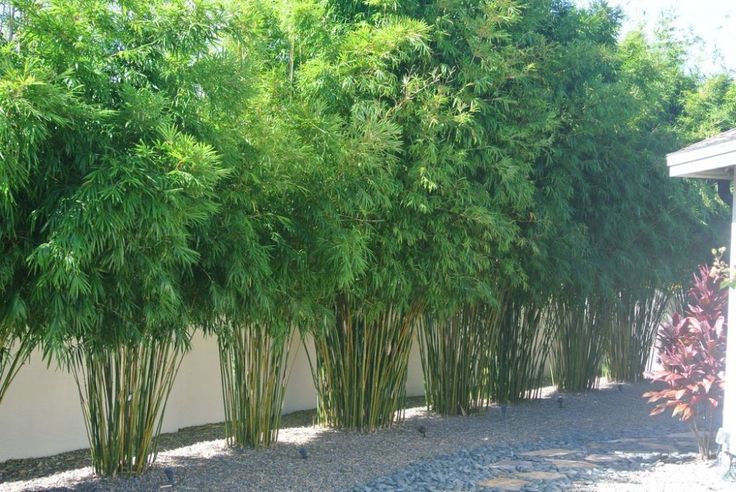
(692, 351)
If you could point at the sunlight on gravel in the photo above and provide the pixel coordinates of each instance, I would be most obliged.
(601, 441)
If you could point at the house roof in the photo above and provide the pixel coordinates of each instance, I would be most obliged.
(712, 158)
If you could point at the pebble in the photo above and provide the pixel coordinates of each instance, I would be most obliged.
(581, 457)
(461, 454)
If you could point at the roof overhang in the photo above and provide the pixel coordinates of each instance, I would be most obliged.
(713, 158)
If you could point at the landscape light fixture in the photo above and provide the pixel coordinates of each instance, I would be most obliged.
(422, 430)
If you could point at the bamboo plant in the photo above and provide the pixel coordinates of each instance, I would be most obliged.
(521, 350)
(379, 161)
(636, 319)
(34, 107)
(579, 343)
(125, 176)
(457, 356)
(253, 364)
(347, 204)
(360, 367)
(124, 391)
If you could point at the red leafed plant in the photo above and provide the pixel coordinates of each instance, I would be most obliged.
(692, 352)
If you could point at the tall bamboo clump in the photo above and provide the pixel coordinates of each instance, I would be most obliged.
(457, 355)
(360, 366)
(579, 345)
(632, 334)
(116, 168)
(124, 390)
(253, 364)
(520, 353)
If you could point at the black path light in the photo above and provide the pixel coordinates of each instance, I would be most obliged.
(422, 430)
(303, 453)
(715, 158)
(559, 400)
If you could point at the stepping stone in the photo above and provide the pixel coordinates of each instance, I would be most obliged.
(550, 453)
(602, 458)
(506, 484)
(513, 465)
(597, 445)
(570, 464)
(539, 475)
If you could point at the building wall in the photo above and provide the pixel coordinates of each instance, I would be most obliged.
(41, 415)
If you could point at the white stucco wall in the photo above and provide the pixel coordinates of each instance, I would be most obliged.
(40, 415)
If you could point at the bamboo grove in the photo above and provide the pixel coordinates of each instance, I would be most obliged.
(484, 178)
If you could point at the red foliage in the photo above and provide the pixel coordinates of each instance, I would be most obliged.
(692, 351)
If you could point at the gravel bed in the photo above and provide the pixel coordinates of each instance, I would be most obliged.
(596, 440)
(676, 475)
(27, 469)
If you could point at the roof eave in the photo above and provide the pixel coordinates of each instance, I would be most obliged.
(712, 162)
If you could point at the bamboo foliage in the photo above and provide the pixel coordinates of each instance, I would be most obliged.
(579, 343)
(112, 164)
(457, 356)
(253, 364)
(124, 391)
(360, 367)
(520, 354)
(632, 334)
(181, 163)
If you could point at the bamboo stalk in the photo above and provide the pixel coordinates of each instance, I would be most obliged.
(124, 391)
(15, 349)
(632, 334)
(579, 345)
(457, 356)
(521, 350)
(360, 367)
(253, 365)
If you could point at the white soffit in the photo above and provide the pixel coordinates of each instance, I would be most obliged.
(712, 158)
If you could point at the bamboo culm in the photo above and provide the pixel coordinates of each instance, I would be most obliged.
(124, 391)
(360, 367)
(253, 365)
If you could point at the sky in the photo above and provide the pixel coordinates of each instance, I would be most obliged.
(713, 21)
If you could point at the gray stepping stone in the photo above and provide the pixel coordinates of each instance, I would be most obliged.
(550, 453)
(539, 475)
(568, 464)
(602, 458)
(504, 483)
(513, 465)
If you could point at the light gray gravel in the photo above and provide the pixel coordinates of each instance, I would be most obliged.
(609, 428)
(687, 475)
